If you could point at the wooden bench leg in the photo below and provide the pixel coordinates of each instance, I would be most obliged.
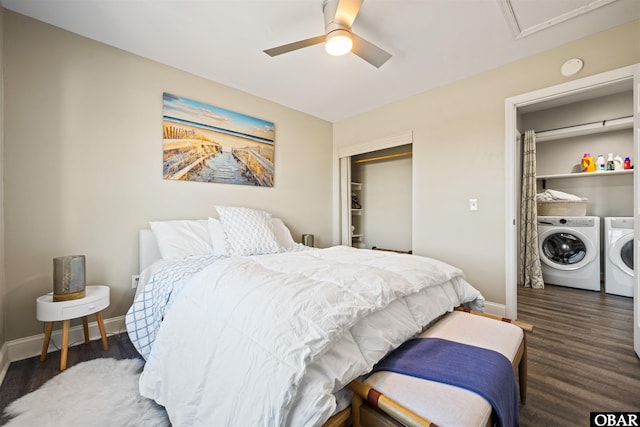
(356, 403)
(85, 326)
(103, 333)
(45, 344)
(65, 344)
(522, 372)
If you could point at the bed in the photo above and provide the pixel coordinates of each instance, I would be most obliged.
(250, 328)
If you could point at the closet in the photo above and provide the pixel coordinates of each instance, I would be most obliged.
(376, 197)
(598, 125)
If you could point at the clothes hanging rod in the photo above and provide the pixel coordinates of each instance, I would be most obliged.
(585, 128)
(388, 156)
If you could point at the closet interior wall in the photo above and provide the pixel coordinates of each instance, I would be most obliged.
(382, 182)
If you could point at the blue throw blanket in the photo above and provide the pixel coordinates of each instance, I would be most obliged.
(485, 372)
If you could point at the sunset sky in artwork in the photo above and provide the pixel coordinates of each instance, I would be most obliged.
(209, 115)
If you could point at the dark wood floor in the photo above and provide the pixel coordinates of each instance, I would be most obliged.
(27, 375)
(581, 358)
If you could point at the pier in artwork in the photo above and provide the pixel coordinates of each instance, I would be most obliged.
(207, 156)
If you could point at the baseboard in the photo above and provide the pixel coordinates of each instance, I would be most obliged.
(23, 348)
(495, 308)
(4, 361)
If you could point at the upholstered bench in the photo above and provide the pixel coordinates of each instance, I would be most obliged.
(392, 397)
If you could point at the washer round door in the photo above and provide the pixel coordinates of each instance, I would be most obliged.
(566, 249)
(621, 254)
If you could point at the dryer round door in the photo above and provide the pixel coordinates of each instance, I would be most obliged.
(566, 249)
(621, 254)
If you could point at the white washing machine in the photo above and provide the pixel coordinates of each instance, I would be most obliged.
(570, 251)
(618, 251)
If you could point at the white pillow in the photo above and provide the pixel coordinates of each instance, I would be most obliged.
(248, 231)
(218, 239)
(282, 234)
(182, 238)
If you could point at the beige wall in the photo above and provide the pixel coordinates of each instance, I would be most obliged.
(458, 150)
(83, 169)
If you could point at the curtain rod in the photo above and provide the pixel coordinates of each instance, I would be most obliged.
(602, 122)
(388, 156)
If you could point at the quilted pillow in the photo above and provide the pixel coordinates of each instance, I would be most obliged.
(248, 231)
(182, 238)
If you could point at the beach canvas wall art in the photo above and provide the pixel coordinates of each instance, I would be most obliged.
(205, 143)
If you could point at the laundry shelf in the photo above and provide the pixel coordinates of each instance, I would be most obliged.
(586, 129)
(585, 174)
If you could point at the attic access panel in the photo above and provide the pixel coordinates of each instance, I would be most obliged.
(527, 17)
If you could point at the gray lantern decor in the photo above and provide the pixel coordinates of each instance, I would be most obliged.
(307, 239)
(69, 278)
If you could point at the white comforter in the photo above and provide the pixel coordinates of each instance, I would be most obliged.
(267, 340)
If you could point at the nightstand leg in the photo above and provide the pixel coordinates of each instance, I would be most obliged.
(103, 333)
(65, 344)
(85, 326)
(45, 344)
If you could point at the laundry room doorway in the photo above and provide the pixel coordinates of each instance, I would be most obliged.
(601, 85)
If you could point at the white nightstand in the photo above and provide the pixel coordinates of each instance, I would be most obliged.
(96, 300)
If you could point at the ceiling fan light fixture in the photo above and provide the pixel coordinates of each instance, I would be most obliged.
(338, 42)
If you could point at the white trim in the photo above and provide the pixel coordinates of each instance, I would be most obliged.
(495, 309)
(24, 348)
(511, 111)
(572, 87)
(636, 209)
(345, 201)
(519, 32)
(377, 144)
(511, 215)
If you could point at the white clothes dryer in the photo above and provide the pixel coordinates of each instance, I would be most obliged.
(618, 250)
(570, 251)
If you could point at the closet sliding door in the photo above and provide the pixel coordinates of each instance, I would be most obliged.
(345, 201)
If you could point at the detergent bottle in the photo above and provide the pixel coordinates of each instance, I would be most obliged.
(600, 162)
(618, 163)
(588, 164)
(610, 165)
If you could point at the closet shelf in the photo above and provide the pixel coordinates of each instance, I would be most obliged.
(585, 174)
(356, 211)
(586, 129)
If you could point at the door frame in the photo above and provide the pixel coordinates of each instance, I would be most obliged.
(512, 158)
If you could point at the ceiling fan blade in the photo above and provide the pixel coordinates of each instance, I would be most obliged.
(275, 51)
(347, 11)
(369, 52)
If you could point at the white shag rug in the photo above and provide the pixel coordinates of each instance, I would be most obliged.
(100, 392)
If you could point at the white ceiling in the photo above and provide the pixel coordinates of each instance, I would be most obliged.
(433, 42)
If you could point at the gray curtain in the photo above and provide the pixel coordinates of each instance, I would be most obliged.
(529, 261)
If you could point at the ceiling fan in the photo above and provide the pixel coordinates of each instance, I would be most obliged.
(338, 38)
